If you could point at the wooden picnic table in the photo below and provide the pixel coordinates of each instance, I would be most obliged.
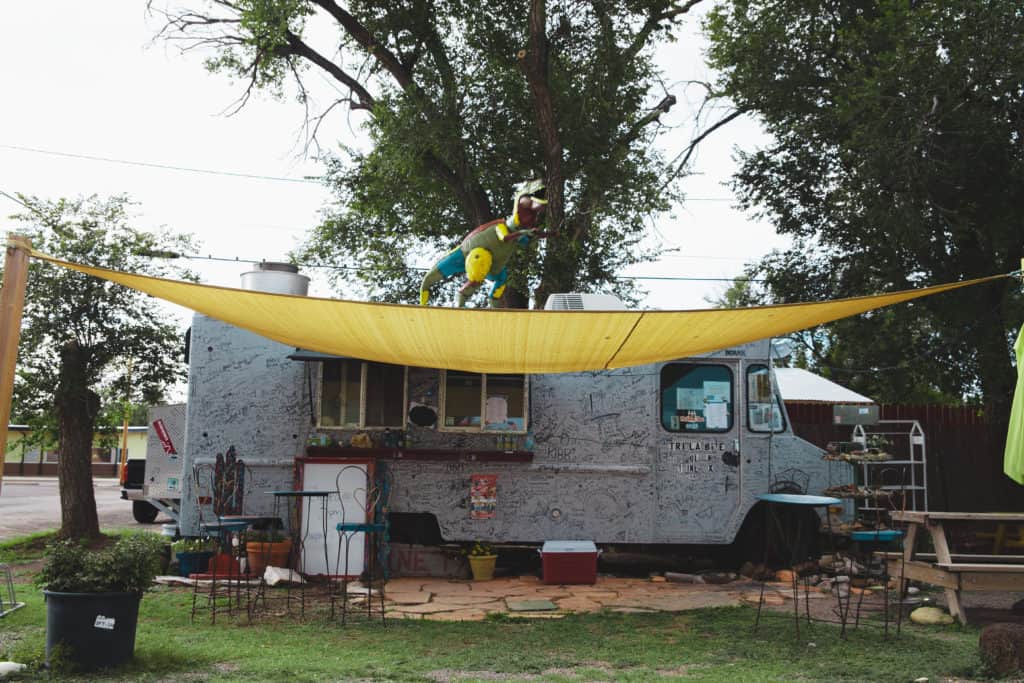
(955, 572)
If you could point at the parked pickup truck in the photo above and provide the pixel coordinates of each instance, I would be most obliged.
(153, 485)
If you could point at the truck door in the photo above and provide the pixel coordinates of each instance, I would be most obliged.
(699, 463)
(765, 417)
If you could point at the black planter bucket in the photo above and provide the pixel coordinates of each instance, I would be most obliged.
(93, 630)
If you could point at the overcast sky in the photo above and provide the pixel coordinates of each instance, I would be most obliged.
(85, 79)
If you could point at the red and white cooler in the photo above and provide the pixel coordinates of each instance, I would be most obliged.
(569, 562)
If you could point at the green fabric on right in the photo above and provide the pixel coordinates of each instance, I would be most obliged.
(1013, 458)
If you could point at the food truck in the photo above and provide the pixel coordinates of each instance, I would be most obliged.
(665, 454)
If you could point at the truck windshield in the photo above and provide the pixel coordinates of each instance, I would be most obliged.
(696, 398)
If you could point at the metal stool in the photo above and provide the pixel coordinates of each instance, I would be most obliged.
(792, 538)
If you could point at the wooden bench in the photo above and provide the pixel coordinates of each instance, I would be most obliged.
(955, 572)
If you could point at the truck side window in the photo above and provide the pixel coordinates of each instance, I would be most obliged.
(356, 394)
(764, 414)
(485, 402)
(696, 398)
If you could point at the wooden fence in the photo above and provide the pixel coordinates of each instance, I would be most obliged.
(963, 446)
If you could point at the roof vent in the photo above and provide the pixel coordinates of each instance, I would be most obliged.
(277, 278)
(583, 302)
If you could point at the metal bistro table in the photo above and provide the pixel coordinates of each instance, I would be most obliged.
(792, 537)
(299, 525)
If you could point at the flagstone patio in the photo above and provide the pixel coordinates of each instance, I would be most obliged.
(528, 597)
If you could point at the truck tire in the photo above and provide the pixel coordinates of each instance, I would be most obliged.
(143, 512)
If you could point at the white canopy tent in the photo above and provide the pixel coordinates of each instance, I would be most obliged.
(797, 385)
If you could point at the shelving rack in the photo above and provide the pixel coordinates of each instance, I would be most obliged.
(906, 473)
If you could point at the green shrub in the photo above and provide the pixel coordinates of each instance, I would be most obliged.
(193, 545)
(127, 566)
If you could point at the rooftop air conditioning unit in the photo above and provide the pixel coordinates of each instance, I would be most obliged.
(583, 302)
(276, 278)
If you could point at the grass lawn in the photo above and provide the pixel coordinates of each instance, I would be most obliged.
(701, 645)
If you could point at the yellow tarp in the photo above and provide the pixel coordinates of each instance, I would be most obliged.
(486, 340)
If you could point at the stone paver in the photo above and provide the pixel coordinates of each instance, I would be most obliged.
(408, 597)
(424, 598)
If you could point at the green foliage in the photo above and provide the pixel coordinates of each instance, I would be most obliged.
(193, 545)
(88, 344)
(129, 565)
(480, 549)
(264, 536)
(896, 161)
(458, 113)
(116, 326)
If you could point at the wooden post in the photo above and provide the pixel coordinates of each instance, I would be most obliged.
(12, 301)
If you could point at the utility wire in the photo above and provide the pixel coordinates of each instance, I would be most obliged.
(232, 174)
(165, 167)
(330, 266)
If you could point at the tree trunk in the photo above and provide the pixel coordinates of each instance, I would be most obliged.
(997, 375)
(77, 407)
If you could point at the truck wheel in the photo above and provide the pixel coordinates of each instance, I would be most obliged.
(143, 512)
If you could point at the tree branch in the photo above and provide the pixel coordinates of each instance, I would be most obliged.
(683, 157)
(298, 47)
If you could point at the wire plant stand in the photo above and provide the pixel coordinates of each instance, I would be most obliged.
(8, 600)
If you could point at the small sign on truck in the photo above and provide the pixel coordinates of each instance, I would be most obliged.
(154, 484)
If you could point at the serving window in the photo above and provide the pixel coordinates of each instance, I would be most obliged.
(764, 411)
(356, 394)
(483, 402)
(696, 398)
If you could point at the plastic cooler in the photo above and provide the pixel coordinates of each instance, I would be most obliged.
(566, 562)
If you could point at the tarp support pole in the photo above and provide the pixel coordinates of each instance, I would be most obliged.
(12, 302)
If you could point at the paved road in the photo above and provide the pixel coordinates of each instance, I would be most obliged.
(29, 504)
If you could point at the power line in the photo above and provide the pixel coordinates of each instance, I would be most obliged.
(331, 266)
(165, 167)
(232, 174)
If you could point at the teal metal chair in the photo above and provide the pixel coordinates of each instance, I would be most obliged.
(363, 493)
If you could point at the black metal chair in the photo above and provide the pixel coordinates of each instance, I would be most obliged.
(220, 490)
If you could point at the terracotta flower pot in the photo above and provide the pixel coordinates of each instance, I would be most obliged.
(261, 554)
(482, 566)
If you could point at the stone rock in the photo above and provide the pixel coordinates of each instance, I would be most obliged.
(276, 575)
(930, 615)
(676, 577)
(785, 575)
(10, 668)
(1002, 648)
(718, 577)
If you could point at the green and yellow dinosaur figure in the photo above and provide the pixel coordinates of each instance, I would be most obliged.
(484, 253)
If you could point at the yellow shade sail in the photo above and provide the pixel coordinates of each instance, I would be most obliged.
(497, 340)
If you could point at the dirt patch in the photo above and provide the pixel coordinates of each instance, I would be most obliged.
(454, 675)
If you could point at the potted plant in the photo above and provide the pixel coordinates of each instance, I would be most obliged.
(92, 598)
(263, 548)
(193, 555)
(482, 559)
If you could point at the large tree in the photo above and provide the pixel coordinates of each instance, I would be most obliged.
(461, 101)
(83, 338)
(896, 161)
